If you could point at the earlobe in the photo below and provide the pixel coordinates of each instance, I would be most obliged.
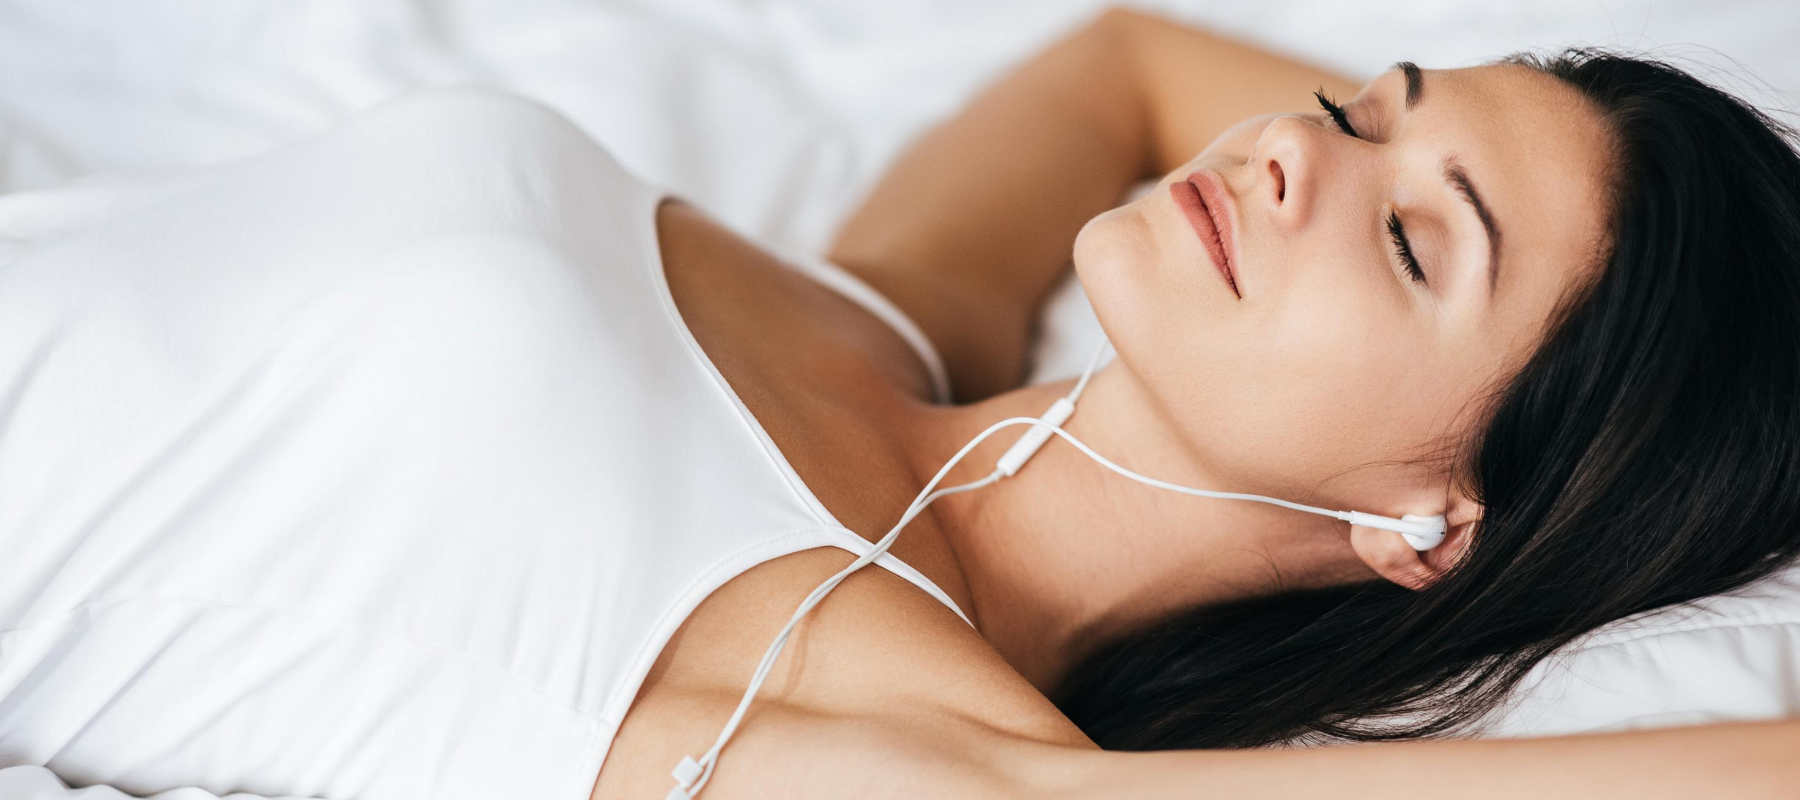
(1456, 542)
(1391, 556)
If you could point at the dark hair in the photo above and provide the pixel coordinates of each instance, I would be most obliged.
(1647, 454)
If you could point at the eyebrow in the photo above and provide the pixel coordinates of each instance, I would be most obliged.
(1456, 176)
(1459, 178)
(1415, 82)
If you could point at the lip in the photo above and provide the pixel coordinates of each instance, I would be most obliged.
(1208, 207)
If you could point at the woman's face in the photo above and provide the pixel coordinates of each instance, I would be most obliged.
(1331, 371)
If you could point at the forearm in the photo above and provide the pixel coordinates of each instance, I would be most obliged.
(1738, 761)
(971, 227)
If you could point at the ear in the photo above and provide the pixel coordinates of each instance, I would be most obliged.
(1393, 558)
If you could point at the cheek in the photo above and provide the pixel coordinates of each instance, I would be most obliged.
(1275, 396)
(1290, 399)
(1300, 392)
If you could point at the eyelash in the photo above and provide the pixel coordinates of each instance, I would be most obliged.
(1403, 247)
(1337, 114)
(1395, 230)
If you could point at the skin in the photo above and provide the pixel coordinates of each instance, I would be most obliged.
(1328, 383)
(1332, 381)
(1335, 359)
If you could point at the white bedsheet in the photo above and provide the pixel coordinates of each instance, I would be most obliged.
(777, 116)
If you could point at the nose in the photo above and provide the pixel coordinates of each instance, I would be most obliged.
(1285, 156)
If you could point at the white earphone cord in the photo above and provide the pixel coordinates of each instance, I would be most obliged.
(692, 775)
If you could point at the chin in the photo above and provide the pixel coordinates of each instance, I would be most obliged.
(1116, 262)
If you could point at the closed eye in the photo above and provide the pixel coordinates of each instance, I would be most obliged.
(1337, 113)
(1403, 247)
(1396, 231)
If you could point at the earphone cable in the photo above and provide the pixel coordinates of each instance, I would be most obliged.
(691, 776)
(699, 772)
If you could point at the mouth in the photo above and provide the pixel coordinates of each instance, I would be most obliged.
(1208, 207)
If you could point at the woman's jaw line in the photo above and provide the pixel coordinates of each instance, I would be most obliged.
(1031, 554)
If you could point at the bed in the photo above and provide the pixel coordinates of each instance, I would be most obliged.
(777, 116)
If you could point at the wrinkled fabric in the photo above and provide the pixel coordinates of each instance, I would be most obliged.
(380, 466)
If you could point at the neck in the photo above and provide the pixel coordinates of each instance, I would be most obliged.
(1066, 556)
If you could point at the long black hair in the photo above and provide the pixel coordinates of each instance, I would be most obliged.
(1647, 454)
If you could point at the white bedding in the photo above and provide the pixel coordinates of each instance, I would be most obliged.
(777, 116)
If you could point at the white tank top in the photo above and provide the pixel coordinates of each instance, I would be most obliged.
(381, 466)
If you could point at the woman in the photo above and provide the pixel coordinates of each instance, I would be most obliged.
(518, 566)
(1350, 356)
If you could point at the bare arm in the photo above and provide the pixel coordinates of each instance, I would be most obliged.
(942, 755)
(1749, 760)
(971, 228)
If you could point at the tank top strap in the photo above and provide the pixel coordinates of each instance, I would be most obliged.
(849, 540)
(858, 291)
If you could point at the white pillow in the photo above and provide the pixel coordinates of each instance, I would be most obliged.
(1730, 657)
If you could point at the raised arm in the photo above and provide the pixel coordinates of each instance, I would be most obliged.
(971, 228)
(1746, 760)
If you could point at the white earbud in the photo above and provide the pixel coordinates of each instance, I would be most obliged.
(1423, 533)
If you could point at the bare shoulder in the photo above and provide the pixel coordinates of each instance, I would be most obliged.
(878, 672)
(750, 311)
(880, 667)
